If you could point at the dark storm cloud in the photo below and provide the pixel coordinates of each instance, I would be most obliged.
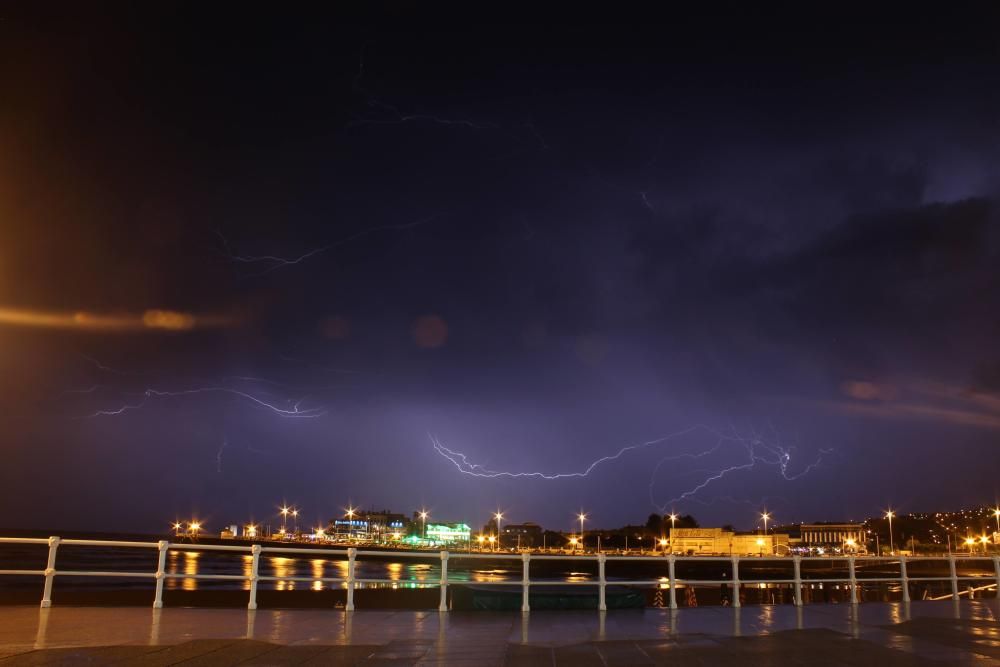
(538, 244)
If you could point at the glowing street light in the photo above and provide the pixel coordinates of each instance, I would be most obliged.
(996, 513)
(194, 527)
(673, 521)
(320, 533)
(251, 530)
(178, 526)
(498, 516)
(582, 517)
(970, 542)
(423, 518)
(350, 512)
(663, 545)
(888, 515)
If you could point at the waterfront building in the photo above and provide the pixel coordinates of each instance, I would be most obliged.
(815, 536)
(441, 534)
(718, 542)
(523, 535)
(378, 526)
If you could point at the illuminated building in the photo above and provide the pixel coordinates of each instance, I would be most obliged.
(443, 534)
(378, 526)
(719, 542)
(831, 535)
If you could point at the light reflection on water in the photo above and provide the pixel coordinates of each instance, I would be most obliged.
(188, 561)
(405, 574)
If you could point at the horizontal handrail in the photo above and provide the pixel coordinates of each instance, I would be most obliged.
(600, 580)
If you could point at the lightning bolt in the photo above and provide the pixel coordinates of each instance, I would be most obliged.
(218, 455)
(151, 394)
(758, 452)
(461, 462)
(273, 262)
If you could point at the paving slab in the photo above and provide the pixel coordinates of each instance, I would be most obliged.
(883, 634)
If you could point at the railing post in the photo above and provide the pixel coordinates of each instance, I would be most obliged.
(525, 581)
(443, 606)
(904, 579)
(854, 580)
(672, 581)
(254, 567)
(50, 572)
(736, 581)
(352, 554)
(797, 567)
(603, 582)
(954, 576)
(161, 563)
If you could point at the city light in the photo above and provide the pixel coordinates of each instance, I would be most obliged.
(888, 515)
(498, 516)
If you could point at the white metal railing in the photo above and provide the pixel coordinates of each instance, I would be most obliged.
(351, 581)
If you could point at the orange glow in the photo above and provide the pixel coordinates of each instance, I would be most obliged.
(153, 319)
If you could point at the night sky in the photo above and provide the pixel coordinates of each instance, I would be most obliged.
(254, 258)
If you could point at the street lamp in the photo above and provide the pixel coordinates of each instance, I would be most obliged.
(663, 545)
(760, 546)
(285, 511)
(498, 516)
(481, 539)
(888, 515)
(423, 519)
(251, 530)
(194, 527)
(350, 521)
(765, 516)
(850, 543)
(673, 520)
(177, 528)
(582, 517)
(295, 519)
(970, 542)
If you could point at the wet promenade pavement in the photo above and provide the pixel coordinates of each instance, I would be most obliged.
(883, 634)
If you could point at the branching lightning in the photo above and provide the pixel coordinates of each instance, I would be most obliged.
(272, 262)
(295, 411)
(461, 462)
(753, 448)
